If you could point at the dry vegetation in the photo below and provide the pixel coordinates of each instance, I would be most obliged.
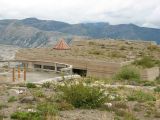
(83, 99)
(122, 97)
(108, 50)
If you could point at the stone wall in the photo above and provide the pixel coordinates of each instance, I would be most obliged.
(150, 74)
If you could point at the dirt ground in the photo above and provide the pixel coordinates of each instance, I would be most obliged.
(101, 50)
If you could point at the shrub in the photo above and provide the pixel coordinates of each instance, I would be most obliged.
(39, 94)
(31, 85)
(157, 80)
(12, 99)
(81, 96)
(46, 85)
(116, 54)
(148, 83)
(47, 109)
(125, 115)
(157, 62)
(157, 89)
(96, 52)
(141, 96)
(26, 116)
(128, 73)
(114, 97)
(121, 105)
(145, 62)
(3, 106)
(92, 43)
(64, 106)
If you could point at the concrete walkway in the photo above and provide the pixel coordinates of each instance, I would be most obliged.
(58, 79)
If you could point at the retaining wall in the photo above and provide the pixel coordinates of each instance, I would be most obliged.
(150, 74)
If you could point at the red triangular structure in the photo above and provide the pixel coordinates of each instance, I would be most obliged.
(62, 45)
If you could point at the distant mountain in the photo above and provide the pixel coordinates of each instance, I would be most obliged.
(47, 25)
(32, 32)
(14, 32)
(97, 30)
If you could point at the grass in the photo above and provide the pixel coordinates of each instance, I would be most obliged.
(96, 52)
(116, 54)
(31, 85)
(46, 85)
(12, 99)
(3, 106)
(64, 106)
(141, 96)
(47, 109)
(121, 105)
(145, 62)
(157, 89)
(21, 115)
(39, 94)
(125, 115)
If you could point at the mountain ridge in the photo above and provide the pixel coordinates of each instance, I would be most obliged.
(33, 32)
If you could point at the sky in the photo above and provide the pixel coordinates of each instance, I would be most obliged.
(144, 13)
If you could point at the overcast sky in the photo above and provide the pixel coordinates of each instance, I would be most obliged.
(140, 12)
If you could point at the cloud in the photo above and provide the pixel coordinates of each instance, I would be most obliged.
(140, 12)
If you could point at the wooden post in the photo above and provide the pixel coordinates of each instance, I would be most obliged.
(19, 72)
(13, 75)
(24, 72)
(55, 67)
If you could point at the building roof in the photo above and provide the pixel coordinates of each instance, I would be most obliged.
(62, 45)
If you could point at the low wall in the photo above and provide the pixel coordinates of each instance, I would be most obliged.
(94, 67)
(150, 74)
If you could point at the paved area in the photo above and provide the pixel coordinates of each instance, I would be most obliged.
(6, 77)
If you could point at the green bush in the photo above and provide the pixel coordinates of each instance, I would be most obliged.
(145, 62)
(46, 85)
(141, 96)
(128, 73)
(47, 108)
(157, 89)
(39, 94)
(157, 62)
(148, 83)
(31, 85)
(26, 116)
(81, 96)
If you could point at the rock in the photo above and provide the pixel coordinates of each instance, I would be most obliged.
(108, 105)
(28, 99)
(31, 110)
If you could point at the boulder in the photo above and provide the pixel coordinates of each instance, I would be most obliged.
(28, 99)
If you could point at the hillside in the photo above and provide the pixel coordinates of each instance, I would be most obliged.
(32, 32)
(97, 30)
(13, 32)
